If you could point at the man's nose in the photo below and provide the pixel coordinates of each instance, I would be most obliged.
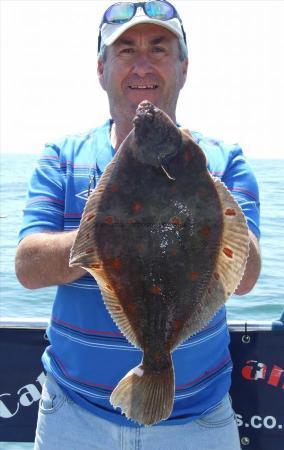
(142, 65)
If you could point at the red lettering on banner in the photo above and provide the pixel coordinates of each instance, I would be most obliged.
(255, 370)
(275, 376)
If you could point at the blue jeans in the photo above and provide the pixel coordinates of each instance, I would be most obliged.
(66, 426)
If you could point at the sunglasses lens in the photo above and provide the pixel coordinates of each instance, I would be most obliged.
(119, 13)
(159, 10)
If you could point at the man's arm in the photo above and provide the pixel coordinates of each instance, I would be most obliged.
(42, 260)
(253, 267)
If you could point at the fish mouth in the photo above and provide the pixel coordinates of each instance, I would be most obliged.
(145, 115)
(143, 86)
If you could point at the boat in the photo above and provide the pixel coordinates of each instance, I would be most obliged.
(257, 390)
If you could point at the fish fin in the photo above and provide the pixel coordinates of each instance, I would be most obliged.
(145, 396)
(114, 306)
(230, 263)
(234, 248)
(84, 251)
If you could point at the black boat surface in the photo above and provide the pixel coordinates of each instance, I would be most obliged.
(257, 391)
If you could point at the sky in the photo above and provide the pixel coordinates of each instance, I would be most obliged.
(234, 92)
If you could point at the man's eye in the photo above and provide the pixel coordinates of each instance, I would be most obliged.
(127, 50)
(159, 49)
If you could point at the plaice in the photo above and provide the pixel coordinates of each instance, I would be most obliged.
(167, 244)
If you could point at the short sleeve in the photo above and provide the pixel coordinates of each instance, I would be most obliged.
(44, 210)
(241, 181)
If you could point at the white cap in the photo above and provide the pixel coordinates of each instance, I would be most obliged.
(111, 32)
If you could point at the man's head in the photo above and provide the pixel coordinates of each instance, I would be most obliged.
(142, 56)
(123, 15)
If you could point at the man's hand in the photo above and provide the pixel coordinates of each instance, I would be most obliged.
(42, 260)
(253, 267)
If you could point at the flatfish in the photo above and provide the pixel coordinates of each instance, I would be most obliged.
(167, 244)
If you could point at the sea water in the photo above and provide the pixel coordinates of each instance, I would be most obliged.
(264, 302)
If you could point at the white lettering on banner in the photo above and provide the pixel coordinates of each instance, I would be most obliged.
(269, 422)
(239, 420)
(41, 378)
(30, 395)
(256, 422)
(5, 413)
(25, 396)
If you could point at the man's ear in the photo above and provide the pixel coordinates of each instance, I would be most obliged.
(100, 72)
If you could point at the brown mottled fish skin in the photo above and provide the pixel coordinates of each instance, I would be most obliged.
(167, 244)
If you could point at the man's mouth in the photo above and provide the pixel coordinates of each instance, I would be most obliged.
(143, 86)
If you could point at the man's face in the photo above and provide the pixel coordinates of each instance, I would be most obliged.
(143, 64)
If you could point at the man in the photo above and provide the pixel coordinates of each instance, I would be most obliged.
(142, 55)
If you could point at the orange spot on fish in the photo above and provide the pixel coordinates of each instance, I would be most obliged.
(177, 325)
(130, 307)
(90, 217)
(95, 266)
(109, 220)
(202, 192)
(216, 276)
(173, 252)
(130, 221)
(156, 290)
(230, 212)
(193, 276)
(228, 252)
(87, 235)
(187, 155)
(174, 189)
(205, 231)
(176, 221)
(136, 207)
(140, 248)
(114, 188)
(209, 290)
(116, 263)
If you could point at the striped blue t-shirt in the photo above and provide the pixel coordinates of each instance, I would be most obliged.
(88, 354)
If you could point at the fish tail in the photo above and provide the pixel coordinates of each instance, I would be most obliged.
(144, 395)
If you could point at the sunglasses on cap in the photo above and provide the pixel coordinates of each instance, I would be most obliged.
(123, 12)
